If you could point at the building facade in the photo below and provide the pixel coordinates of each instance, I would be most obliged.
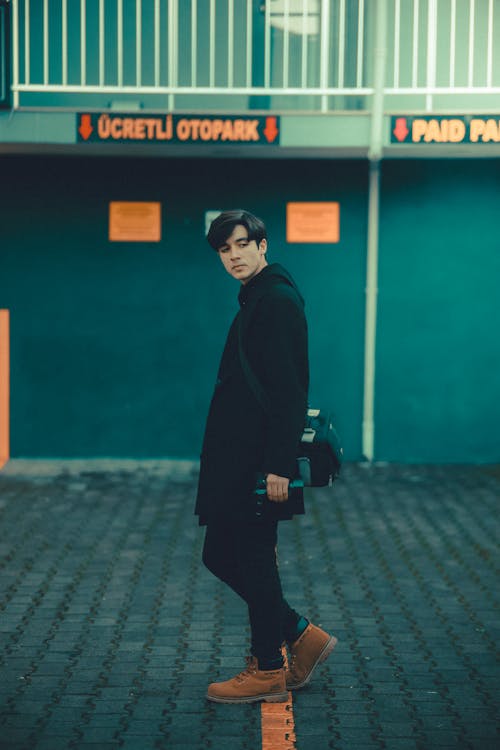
(366, 134)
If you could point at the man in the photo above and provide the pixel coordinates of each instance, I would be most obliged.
(247, 437)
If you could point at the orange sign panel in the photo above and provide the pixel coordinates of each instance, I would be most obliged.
(4, 387)
(131, 221)
(313, 222)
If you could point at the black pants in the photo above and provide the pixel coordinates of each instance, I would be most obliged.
(243, 555)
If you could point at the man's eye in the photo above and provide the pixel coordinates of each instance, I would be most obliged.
(242, 244)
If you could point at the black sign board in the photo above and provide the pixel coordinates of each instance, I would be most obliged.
(445, 129)
(110, 127)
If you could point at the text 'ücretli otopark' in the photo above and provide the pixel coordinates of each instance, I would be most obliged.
(121, 128)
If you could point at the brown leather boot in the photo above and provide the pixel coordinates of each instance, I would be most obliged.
(312, 648)
(251, 685)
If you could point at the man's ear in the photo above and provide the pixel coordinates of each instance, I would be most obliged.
(263, 246)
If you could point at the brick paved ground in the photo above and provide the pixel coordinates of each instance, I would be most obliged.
(110, 629)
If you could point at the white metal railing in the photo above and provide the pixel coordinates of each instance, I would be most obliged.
(319, 51)
(454, 49)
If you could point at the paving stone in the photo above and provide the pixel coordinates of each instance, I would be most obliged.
(444, 737)
(354, 737)
(112, 721)
(486, 731)
(98, 745)
(316, 731)
(13, 736)
(403, 744)
(352, 721)
(47, 741)
(120, 628)
(386, 688)
(485, 744)
(98, 734)
(100, 706)
(57, 727)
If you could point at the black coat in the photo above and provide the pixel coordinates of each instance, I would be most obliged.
(241, 439)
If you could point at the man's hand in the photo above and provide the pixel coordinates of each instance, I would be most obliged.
(277, 488)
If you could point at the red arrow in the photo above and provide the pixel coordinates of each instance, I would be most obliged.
(85, 128)
(401, 129)
(271, 129)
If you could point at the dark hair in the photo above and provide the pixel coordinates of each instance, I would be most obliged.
(222, 227)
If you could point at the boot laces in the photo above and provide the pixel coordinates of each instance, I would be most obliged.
(249, 670)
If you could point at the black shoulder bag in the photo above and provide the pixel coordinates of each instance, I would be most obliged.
(320, 453)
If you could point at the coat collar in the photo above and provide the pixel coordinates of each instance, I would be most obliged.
(247, 291)
(267, 278)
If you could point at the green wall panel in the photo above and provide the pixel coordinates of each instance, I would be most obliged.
(438, 347)
(114, 346)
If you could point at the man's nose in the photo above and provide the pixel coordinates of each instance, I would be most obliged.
(235, 251)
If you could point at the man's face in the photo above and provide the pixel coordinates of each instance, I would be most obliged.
(241, 257)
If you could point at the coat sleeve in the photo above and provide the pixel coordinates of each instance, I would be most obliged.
(279, 357)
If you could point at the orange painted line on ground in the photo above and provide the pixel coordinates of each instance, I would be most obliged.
(278, 727)
(277, 723)
(4, 387)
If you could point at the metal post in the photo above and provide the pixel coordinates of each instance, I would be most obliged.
(83, 43)
(230, 43)
(414, 75)
(194, 43)
(15, 53)
(453, 21)
(64, 43)
(325, 51)
(472, 14)
(371, 311)
(431, 52)
(102, 69)
(361, 31)
(157, 43)
(138, 42)
(489, 57)
(303, 77)
(119, 41)
(45, 42)
(27, 43)
(249, 38)
(173, 32)
(341, 38)
(380, 57)
(267, 45)
(286, 43)
(212, 32)
(374, 155)
(4, 387)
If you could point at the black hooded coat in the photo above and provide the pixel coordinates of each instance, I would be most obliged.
(241, 438)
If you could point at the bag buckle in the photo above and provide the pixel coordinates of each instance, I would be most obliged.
(308, 435)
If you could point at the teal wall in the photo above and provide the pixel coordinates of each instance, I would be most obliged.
(114, 346)
(438, 348)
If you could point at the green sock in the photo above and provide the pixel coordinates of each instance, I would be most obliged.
(301, 626)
